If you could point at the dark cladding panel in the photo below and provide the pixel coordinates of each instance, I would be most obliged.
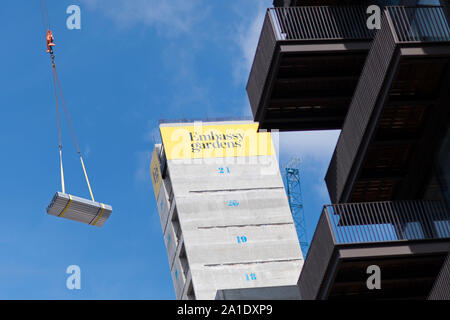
(261, 65)
(360, 113)
(317, 261)
(441, 287)
(399, 101)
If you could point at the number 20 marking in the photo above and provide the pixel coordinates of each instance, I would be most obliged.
(233, 203)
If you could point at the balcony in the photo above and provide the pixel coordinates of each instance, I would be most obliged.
(408, 240)
(306, 67)
(399, 113)
(293, 3)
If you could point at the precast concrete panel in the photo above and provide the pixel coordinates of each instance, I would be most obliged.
(261, 172)
(209, 279)
(242, 244)
(266, 206)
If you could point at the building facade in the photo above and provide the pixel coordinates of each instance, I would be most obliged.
(224, 212)
(318, 66)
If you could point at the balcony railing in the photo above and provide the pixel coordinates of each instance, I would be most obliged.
(320, 23)
(411, 24)
(366, 226)
(362, 225)
(388, 221)
(419, 24)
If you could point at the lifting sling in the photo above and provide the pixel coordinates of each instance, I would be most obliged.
(58, 88)
(65, 205)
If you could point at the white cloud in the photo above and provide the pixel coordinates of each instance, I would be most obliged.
(87, 151)
(248, 32)
(141, 173)
(152, 134)
(315, 149)
(317, 145)
(169, 17)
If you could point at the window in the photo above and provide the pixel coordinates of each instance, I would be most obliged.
(184, 261)
(169, 189)
(163, 162)
(176, 226)
(190, 293)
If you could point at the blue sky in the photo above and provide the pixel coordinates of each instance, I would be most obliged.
(131, 64)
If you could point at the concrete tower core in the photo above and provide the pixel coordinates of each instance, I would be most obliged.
(224, 211)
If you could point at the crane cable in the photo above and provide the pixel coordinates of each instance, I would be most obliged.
(57, 87)
(59, 134)
(45, 19)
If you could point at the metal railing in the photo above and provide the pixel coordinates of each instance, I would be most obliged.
(320, 23)
(419, 24)
(410, 24)
(388, 221)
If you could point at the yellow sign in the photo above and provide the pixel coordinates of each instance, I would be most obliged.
(215, 141)
(155, 173)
